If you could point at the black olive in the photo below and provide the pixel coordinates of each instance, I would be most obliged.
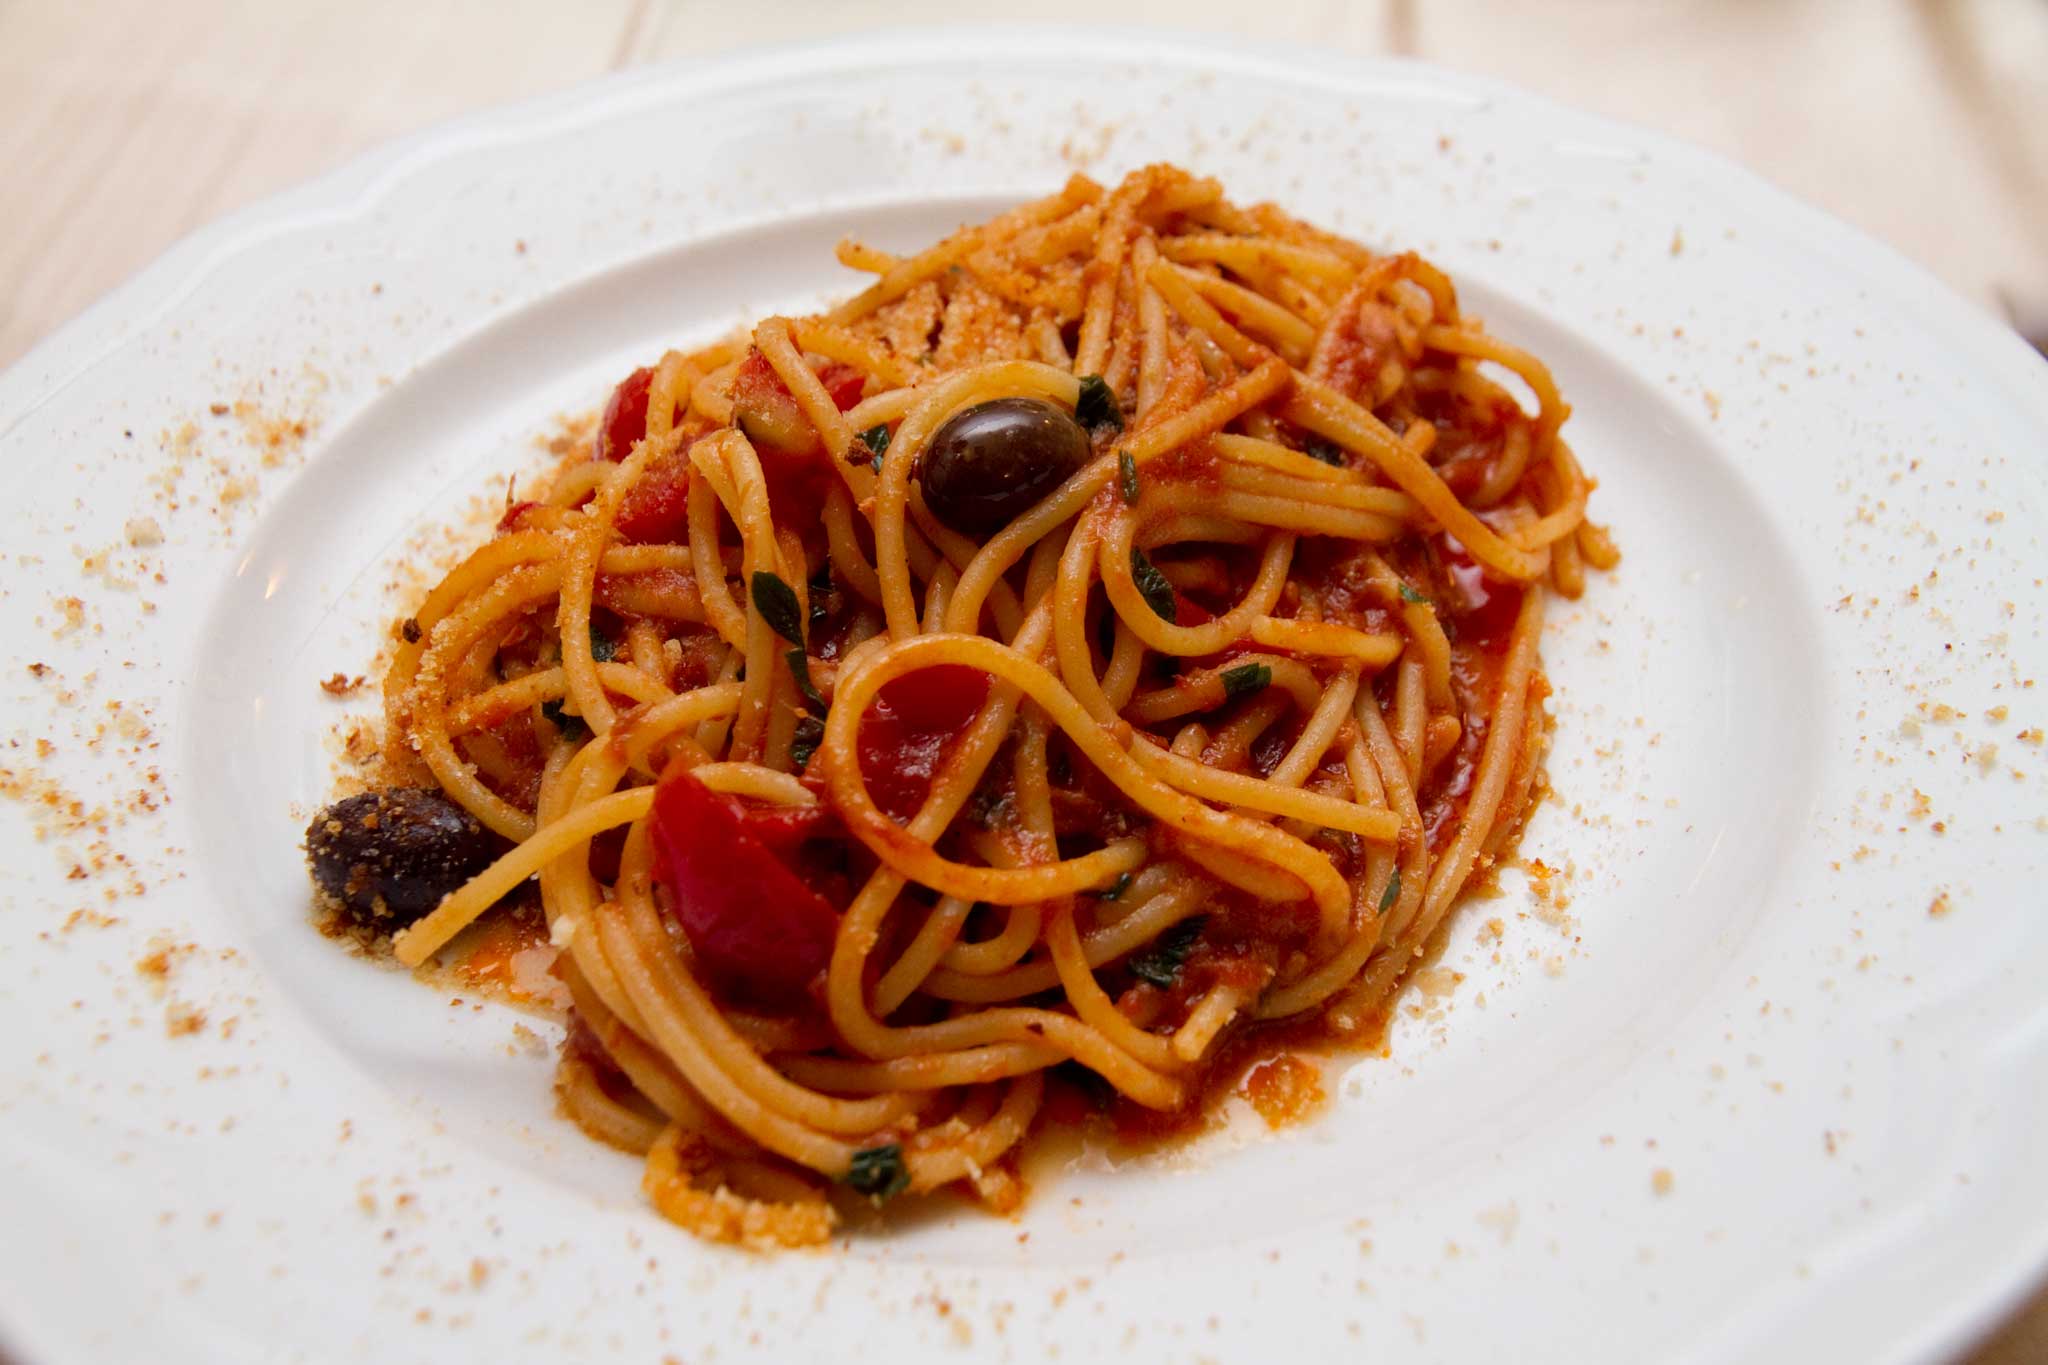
(387, 858)
(993, 461)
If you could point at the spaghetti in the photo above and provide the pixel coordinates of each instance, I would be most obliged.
(1110, 634)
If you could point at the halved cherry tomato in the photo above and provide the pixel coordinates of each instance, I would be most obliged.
(656, 508)
(625, 416)
(908, 730)
(798, 470)
(764, 408)
(762, 933)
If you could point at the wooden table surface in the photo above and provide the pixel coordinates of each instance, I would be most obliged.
(125, 124)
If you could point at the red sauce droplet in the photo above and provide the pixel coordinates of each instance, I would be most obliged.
(1482, 609)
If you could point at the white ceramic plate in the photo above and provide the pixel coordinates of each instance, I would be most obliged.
(1749, 1097)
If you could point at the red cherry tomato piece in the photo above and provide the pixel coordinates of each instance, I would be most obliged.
(798, 472)
(761, 932)
(1188, 612)
(625, 416)
(910, 727)
(656, 509)
(843, 382)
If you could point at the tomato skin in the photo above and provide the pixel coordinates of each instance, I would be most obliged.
(909, 728)
(843, 382)
(758, 930)
(625, 416)
(796, 467)
(656, 509)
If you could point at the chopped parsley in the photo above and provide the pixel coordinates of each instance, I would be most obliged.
(1245, 678)
(1153, 587)
(601, 647)
(810, 733)
(878, 1172)
(1160, 964)
(1316, 448)
(1127, 477)
(1409, 594)
(876, 439)
(776, 601)
(1115, 890)
(1096, 408)
(1392, 893)
(800, 665)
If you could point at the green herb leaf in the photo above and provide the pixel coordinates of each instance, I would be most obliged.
(601, 647)
(1392, 893)
(878, 1172)
(1316, 448)
(800, 665)
(1127, 477)
(1152, 585)
(1160, 964)
(776, 601)
(1099, 1094)
(1096, 408)
(1409, 594)
(876, 439)
(1245, 678)
(810, 733)
(1115, 890)
(572, 727)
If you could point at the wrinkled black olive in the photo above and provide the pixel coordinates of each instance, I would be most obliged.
(387, 858)
(993, 461)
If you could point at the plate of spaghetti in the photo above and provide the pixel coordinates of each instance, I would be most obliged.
(1024, 665)
(1330, 696)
